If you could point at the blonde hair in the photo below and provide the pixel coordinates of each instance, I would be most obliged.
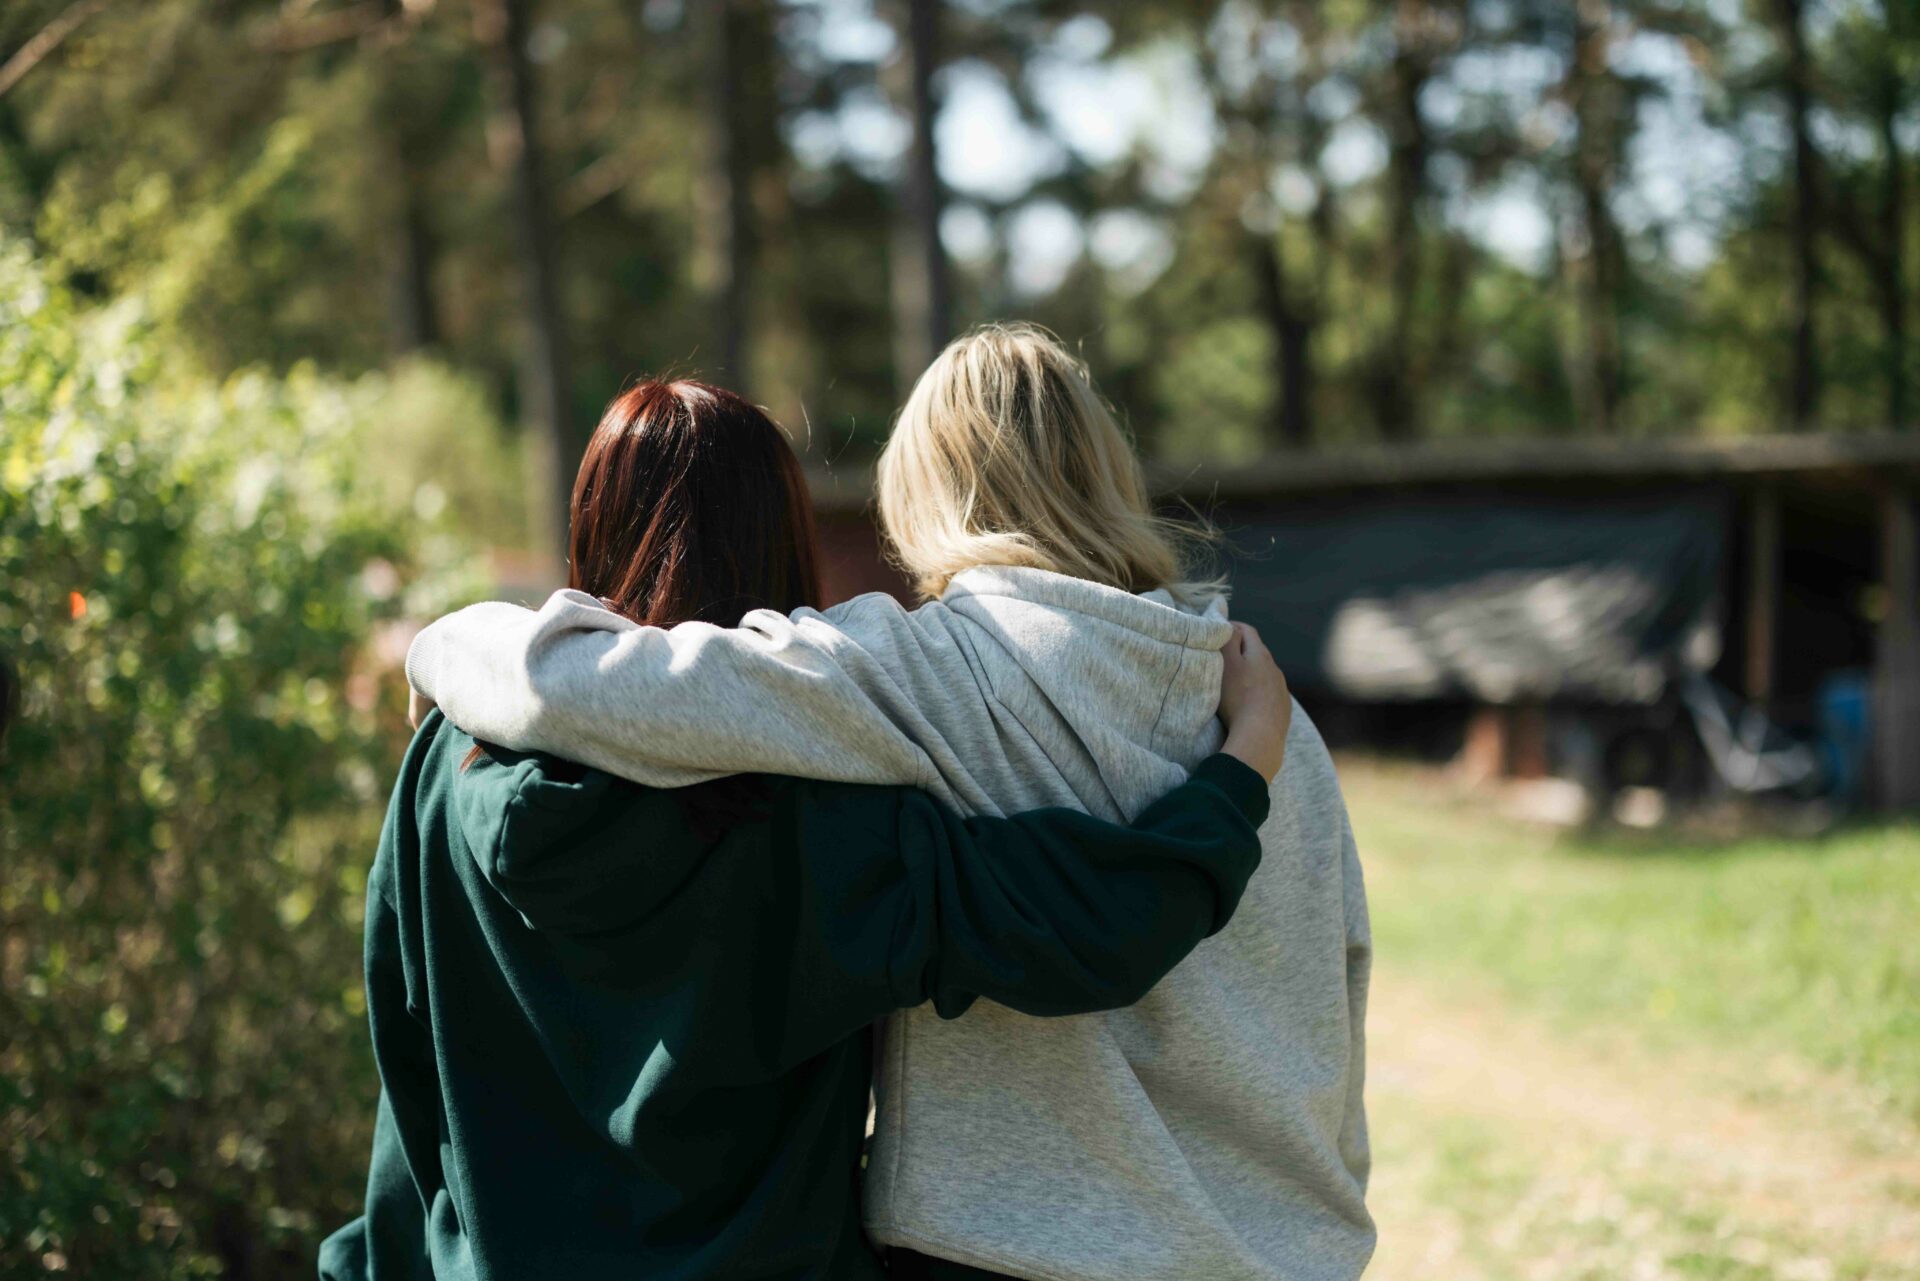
(1006, 455)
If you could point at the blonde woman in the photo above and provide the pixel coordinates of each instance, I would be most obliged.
(1065, 656)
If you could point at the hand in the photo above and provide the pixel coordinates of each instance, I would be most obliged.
(418, 705)
(1254, 703)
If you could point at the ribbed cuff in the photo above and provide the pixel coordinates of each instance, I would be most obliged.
(1241, 783)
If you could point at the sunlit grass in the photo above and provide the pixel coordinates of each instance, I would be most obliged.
(1638, 1055)
(1794, 946)
(1473, 1201)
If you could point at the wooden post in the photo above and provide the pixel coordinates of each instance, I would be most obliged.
(1527, 750)
(1896, 659)
(1763, 590)
(1483, 753)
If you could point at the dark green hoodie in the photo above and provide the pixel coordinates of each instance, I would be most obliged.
(623, 1032)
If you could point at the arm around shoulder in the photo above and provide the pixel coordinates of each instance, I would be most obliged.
(1055, 912)
(663, 707)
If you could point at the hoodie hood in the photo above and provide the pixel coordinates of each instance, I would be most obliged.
(556, 840)
(1156, 615)
(1130, 679)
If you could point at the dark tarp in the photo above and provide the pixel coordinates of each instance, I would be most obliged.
(1494, 600)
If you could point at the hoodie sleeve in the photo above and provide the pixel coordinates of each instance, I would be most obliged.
(667, 708)
(1049, 912)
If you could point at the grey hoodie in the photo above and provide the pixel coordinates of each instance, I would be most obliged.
(1213, 1131)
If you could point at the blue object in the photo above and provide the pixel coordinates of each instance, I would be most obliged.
(1845, 708)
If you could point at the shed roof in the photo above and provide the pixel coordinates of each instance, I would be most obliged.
(1866, 460)
(1846, 458)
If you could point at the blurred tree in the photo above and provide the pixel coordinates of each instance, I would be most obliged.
(1602, 113)
(503, 28)
(1803, 400)
(409, 129)
(1317, 211)
(922, 302)
(32, 51)
(1261, 71)
(1422, 34)
(1874, 65)
(1596, 40)
(742, 75)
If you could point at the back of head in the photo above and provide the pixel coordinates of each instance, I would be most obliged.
(1005, 454)
(690, 505)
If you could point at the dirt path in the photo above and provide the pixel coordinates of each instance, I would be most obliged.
(1504, 1150)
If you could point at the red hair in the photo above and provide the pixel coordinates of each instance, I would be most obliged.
(690, 505)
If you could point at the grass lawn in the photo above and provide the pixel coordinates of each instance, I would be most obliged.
(1804, 947)
(1630, 1055)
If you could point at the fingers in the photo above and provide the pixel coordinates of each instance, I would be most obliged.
(1247, 643)
(1254, 702)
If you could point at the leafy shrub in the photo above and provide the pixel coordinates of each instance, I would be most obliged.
(194, 582)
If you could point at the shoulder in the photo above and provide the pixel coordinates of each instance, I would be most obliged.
(877, 628)
(875, 623)
(1308, 749)
(875, 615)
(1307, 800)
(426, 770)
(868, 605)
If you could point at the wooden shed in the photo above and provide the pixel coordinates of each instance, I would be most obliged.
(1498, 581)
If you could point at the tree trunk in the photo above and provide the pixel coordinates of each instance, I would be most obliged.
(923, 319)
(1600, 268)
(414, 320)
(1289, 426)
(35, 170)
(736, 71)
(1891, 278)
(1803, 395)
(545, 390)
(1409, 154)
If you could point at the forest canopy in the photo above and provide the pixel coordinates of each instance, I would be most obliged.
(1267, 224)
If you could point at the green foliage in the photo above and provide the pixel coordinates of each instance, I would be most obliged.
(451, 462)
(329, 181)
(190, 573)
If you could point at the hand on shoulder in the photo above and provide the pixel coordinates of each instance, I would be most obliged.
(1254, 703)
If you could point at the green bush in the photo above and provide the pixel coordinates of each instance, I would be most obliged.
(200, 589)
